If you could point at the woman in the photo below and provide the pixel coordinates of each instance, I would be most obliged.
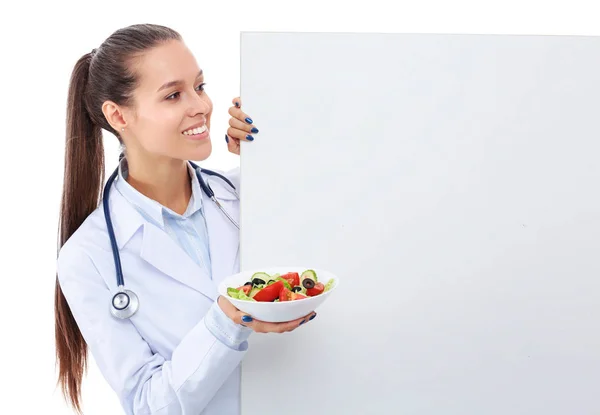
(180, 353)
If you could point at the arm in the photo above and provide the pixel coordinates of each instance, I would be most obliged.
(146, 382)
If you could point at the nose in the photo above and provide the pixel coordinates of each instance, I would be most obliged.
(199, 104)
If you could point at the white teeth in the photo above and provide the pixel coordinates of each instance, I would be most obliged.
(195, 131)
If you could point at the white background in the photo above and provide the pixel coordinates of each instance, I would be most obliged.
(41, 41)
(455, 197)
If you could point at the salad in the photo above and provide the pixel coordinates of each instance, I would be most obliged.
(275, 288)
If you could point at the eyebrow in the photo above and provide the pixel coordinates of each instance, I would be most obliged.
(178, 82)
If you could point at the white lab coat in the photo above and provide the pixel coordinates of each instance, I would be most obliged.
(163, 360)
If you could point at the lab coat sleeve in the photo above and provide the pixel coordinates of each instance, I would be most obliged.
(145, 381)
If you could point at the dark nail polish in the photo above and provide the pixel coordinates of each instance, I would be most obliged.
(249, 138)
(254, 130)
(226, 138)
(302, 322)
(314, 315)
(237, 104)
(249, 120)
(246, 319)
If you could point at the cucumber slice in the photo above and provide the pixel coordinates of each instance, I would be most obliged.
(309, 273)
(254, 290)
(262, 275)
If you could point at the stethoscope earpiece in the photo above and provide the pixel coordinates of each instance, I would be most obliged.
(125, 303)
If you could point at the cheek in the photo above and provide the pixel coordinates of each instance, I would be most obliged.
(210, 110)
(160, 126)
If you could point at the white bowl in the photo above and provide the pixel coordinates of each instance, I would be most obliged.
(277, 312)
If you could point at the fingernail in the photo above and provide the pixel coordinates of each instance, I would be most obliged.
(237, 104)
(302, 322)
(254, 130)
(313, 316)
(249, 138)
(246, 319)
(249, 120)
(226, 138)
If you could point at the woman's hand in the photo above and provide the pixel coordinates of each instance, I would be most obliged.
(260, 326)
(240, 127)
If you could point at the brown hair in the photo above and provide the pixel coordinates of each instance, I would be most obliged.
(104, 74)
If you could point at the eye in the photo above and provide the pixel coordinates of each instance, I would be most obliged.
(176, 94)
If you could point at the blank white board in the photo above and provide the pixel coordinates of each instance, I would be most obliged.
(452, 181)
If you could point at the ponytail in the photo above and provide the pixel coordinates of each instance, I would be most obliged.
(83, 178)
(105, 74)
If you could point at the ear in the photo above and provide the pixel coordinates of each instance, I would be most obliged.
(115, 115)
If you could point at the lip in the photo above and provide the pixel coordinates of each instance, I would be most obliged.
(200, 124)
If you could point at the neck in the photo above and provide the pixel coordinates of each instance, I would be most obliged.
(166, 181)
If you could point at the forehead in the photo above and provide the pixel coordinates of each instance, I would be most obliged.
(167, 62)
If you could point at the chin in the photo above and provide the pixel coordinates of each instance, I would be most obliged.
(202, 152)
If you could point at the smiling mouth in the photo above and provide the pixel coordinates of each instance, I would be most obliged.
(196, 131)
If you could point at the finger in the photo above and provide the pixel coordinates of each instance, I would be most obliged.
(237, 102)
(233, 145)
(284, 327)
(308, 317)
(238, 125)
(240, 115)
(239, 134)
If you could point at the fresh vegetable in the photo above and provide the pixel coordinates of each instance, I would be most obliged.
(258, 281)
(308, 283)
(290, 286)
(285, 295)
(309, 273)
(270, 292)
(238, 294)
(296, 296)
(245, 288)
(316, 290)
(292, 278)
(285, 282)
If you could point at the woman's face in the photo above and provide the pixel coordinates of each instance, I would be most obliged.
(169, 102)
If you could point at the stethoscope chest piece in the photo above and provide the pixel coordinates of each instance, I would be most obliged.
(124, 304)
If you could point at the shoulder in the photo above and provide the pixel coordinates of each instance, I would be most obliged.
(76, 256)
(234, 176)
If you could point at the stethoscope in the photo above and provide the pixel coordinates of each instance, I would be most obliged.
(125, 303)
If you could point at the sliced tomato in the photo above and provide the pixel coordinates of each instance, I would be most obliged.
(297, 296)
(292, 277)
(245, 288)
(316, 290)
(285, 294)
(270, 292)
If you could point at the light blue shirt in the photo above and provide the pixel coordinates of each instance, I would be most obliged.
(190, 232)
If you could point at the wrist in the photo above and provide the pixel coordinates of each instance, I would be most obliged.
(228, 309)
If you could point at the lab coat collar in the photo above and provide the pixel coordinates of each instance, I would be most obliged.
(223, 235)
(219, 187)
(157, 247)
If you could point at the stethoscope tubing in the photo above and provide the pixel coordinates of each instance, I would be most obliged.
(125, 302)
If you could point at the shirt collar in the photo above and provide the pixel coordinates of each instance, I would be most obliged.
(151, 209)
